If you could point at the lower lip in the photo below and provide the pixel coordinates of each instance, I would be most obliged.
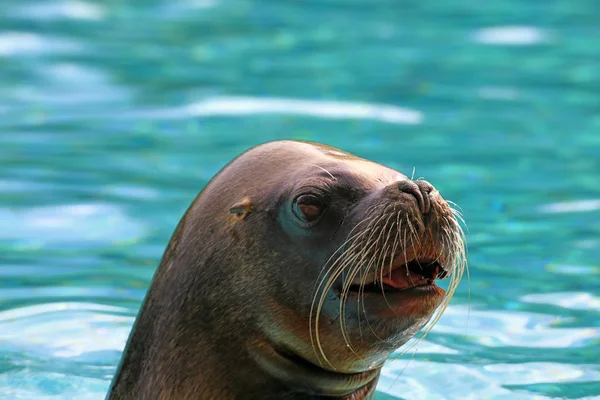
(415, 300)
(427, 288)
(422, 289)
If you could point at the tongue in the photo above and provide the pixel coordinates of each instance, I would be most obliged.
(402, 278)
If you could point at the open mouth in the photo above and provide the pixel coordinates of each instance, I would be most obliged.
(402, 275)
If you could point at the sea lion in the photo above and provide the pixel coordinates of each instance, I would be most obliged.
(294, 274)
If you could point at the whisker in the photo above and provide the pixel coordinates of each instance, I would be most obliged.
(368, 253)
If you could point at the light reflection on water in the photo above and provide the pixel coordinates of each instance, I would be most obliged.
(114, 116)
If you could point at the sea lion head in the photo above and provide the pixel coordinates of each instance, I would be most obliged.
(312, 264)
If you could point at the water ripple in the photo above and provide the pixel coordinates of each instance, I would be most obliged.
(571, 206)
(573, 300)
(510, 35)
(70, 223)
(72, 9)
(27, 43)
(515, 328)
(433, 381)
(240, 106)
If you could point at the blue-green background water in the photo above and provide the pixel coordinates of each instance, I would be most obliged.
(114, 114)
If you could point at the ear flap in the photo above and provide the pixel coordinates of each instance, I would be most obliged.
(242, 208)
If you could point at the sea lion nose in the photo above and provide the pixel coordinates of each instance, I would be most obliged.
(420, 190)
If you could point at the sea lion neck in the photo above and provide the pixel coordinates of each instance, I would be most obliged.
(309, 379)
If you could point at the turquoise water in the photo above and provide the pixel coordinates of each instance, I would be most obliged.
(114, 115)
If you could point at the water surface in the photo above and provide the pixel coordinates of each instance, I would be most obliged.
(114, 115)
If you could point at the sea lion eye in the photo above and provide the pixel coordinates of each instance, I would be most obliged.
(308, 207)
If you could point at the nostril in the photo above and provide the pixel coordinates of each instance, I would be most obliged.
(411, 187)
(426, 188)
